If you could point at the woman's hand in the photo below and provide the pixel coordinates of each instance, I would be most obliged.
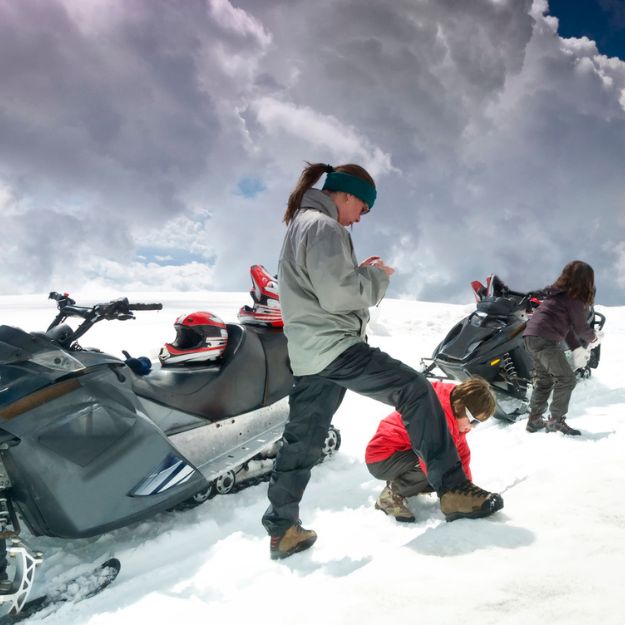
(372, 260)
(376, 261)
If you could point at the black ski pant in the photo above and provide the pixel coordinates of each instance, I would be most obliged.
(3, 559)
(552, 373)
(315, 398)
(402, 472)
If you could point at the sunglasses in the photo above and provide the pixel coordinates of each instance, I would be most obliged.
(474, 422)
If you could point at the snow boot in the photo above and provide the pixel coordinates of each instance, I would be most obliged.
(394, 505)
(468, 501)
(560, 425)
(295, 539)
(535, 422)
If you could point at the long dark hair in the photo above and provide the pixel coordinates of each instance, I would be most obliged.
(311, 174)
(578, 280)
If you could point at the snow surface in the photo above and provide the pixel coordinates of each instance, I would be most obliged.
(554, 554)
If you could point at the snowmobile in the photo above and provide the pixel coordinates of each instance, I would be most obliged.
(90, 442)
(489, 343)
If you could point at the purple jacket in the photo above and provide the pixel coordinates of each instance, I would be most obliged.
(561, 318)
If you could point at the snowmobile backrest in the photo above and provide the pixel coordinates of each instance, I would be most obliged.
(279, 376)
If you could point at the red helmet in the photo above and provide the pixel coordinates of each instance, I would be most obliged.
(200, 337)
(261, 316)
(266, 310)
(264, 286)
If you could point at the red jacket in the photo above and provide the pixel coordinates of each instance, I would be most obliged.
(391, 435)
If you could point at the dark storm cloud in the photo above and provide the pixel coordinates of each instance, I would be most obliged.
(182, 127)
(117, 113)
(113, 108)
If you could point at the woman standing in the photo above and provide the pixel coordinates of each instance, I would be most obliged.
(560, 317)
(325, 295)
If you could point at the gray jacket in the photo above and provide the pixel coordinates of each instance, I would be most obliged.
(324, 295)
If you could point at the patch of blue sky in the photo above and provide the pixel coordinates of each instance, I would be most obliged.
(172, 257)
(250, 187)
(603, 21)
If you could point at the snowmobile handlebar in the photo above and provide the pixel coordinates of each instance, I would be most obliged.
(145, 306)
(120, 309)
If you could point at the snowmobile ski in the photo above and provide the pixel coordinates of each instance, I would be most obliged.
(72, 591)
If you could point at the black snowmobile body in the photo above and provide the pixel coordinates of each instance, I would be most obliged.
(489, 343)
(86, 445)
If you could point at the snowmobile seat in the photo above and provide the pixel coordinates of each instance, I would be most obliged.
(240, 382)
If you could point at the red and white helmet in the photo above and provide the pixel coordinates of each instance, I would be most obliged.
(261, 315)
(266, 310)
(264, 287)
(200, 337)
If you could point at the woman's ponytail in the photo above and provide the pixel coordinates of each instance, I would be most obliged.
(308, 178)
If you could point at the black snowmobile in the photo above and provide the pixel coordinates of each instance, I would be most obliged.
(89, 444)
(489, 343)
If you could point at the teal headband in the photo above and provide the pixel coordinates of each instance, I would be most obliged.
(339, 181)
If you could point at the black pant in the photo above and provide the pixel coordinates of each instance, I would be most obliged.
(3, 559)
(402, 472)
(313, 402)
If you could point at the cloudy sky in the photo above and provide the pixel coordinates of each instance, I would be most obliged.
(151, 144)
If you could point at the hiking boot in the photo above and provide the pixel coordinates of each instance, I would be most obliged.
(468, 501)
(394, 505)
(560, 425)
(295, 539)
(535, 422)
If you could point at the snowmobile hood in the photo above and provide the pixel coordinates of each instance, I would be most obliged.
(30, 362)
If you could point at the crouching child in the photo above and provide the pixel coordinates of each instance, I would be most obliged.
(389, 455)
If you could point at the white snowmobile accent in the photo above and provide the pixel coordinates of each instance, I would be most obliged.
(26, 563)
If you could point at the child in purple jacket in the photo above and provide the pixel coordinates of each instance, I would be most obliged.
(562, 316)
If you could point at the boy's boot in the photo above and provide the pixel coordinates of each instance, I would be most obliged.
(295, 539)
(468, 501)
(560, 425)
(394, 505)
(535, 422)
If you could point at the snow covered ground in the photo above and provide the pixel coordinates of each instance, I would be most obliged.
(554, 554)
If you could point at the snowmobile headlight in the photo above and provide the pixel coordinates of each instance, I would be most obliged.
(58, 360)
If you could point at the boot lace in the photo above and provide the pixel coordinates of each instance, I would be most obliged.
(469, 488)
